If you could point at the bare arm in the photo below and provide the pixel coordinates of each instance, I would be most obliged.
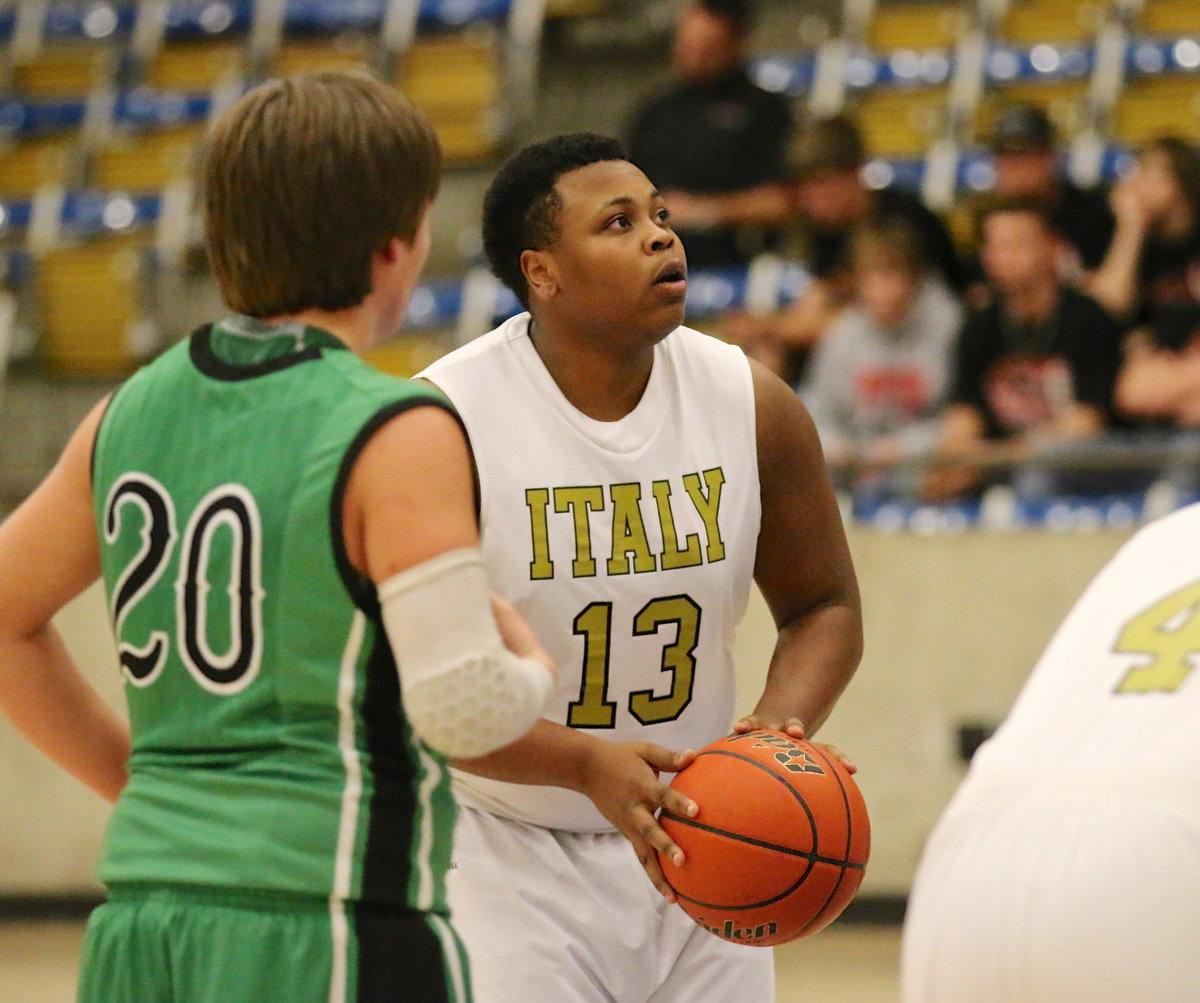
(49, 553)
(1079, 421)
(803, 569)
(1114, 285)
(1155, 383)
(392, 523)
(409, 524)
(765, 205)
(620, 778)
(960, 435)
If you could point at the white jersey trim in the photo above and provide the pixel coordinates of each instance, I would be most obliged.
(343, 868)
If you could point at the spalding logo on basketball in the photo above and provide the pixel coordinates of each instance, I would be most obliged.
(780, 844)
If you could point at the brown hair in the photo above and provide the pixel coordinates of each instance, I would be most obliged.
(891, 240)
(307, 178)
(1026, 205)
(1184, 161)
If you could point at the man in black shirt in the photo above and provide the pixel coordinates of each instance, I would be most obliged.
(829, 200)
(713, 142)
(1027, 166)
(1034, 370)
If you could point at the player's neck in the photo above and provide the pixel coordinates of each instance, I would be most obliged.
(355, 326)
(603, 381)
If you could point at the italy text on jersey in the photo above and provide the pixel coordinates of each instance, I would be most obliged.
(629, 544)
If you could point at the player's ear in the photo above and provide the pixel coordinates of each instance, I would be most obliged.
(540, 273)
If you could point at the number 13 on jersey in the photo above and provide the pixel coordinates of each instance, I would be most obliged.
(594, 708)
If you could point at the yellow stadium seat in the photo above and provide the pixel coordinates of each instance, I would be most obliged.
(194, 66)
(1150, 107)
(575, 8)
(1029, 22)
(1170, 17)
(27, 165)
(900, 122)
(456, 81)
(88, 299)
(145, 161)
(303, 57)
(63, 71)
(913, 26)
(408, 354)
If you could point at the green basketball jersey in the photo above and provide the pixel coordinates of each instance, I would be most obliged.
(270, 748)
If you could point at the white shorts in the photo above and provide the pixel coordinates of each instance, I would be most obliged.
(1060, 895)
(550, 916)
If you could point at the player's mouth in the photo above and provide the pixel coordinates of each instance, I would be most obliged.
(672, 278)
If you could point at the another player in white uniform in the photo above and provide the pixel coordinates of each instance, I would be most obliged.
(1067, 867)
(636, 477)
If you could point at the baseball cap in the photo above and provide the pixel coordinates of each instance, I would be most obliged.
(825, 144)
(1022, 128)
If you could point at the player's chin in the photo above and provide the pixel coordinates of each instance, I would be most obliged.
(666, 310)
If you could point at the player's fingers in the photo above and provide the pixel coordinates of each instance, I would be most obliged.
(794, 727)
(684, 759)
(677, 804)
(840, 756)
(649, 831)
(649, 861)
(748, 723)
(663, 760)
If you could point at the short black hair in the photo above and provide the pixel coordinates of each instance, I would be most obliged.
(1026, 205)
(520, 209)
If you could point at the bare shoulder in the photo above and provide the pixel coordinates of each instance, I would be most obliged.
(784, 427)
(410, 494)
(76, 459)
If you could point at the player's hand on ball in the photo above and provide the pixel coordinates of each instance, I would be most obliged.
(794, 727)
(752, 722)
(622, 781)
(517, 635)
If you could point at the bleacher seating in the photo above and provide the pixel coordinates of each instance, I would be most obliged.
(89, 300)
(102, 109)
(112, 113)
(1033, 22)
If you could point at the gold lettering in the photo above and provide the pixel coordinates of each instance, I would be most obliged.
(628, 532)
(579, 501)
(537, 500)
(672, 556)
(708, 506)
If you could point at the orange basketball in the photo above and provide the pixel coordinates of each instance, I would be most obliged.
(780, 844)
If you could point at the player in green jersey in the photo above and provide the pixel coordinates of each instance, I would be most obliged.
(278, 527)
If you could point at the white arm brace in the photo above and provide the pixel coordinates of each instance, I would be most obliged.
(464, 693)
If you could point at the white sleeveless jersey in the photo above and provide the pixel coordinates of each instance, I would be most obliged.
(1118, 688)
(629, 545)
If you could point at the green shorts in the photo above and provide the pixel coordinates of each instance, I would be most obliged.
(160, 945)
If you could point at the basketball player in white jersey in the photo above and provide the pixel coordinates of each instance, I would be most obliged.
(1067, 867)
(636, 477)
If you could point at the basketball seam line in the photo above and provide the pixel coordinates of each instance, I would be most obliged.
(807, 855)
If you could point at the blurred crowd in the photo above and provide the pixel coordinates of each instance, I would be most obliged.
(1039, 333)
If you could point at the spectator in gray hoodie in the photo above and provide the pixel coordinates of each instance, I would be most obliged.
(878, 379)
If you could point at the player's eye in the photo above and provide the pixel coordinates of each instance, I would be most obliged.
(618, 222)
(663, 216)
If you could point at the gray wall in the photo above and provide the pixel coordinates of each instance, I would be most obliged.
(953, 625)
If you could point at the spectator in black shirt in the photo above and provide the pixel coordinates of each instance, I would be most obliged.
(1159, 382)
(1035, 369)
(1153, 265)
(713, 142)
(1028, 166)
(830, 200)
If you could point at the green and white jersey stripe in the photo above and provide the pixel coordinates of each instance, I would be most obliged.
(270, 749)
